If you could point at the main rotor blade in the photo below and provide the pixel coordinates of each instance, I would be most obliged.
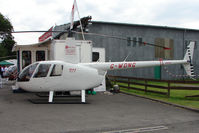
(93, 34)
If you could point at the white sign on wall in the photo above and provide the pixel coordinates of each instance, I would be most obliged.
(70, 49)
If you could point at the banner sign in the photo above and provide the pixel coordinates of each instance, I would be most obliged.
(46, 35)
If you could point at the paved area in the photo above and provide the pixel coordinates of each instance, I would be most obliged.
(104, 113)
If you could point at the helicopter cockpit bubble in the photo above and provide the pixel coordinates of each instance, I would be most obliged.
(26, 74)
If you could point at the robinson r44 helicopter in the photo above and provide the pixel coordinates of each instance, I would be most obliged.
(52, 76)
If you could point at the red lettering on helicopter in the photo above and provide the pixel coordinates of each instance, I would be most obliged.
(122, 65)
(72, 70)
(111, 66)
(129, 65)
(125, 65)
(167, 63)
(133, 65)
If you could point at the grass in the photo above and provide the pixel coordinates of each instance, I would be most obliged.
(176, 96)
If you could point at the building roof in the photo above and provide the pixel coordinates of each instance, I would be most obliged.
(65, 27)
(16, 46)
(145, 25)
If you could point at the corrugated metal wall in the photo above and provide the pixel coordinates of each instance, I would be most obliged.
(118, 49)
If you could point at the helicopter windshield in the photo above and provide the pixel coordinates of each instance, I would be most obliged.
(26, 74)
(42, 70)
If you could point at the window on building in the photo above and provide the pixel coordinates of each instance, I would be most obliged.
(162, 53)
(95, 56)
(57, 70)
(40, 55)
(134, 41)
(140, 41)
(128, 41)
(26, 58)
(42, 70)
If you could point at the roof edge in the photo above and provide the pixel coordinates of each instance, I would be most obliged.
(145, 25)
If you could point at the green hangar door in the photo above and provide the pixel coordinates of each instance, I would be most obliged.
(157, 72)
(163, 54)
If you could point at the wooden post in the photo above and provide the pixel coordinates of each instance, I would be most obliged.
(128, 83)
(145, 86)
(168, 94)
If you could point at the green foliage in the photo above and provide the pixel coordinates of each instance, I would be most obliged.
(5, 27)
(3, 51)
(6, 37)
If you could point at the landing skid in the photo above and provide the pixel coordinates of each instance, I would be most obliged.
(64, 96)
(57, 101)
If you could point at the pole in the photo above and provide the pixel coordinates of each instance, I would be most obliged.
(80, 23)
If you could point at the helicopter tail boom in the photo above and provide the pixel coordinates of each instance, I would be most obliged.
(187, 62)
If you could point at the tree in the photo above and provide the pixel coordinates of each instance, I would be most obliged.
(6, 38)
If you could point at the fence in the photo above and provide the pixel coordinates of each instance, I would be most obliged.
(146, 83)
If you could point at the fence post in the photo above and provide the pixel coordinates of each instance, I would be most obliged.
(168, 94)
(145, 86)
(115, 80)
(128, 83)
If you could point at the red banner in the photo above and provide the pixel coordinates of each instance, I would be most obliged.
(46, 35)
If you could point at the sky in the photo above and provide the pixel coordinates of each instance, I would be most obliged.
(43, 14)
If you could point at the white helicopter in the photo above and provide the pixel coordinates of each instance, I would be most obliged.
(52, 76)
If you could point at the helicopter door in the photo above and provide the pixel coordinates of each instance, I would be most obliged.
(40, 78)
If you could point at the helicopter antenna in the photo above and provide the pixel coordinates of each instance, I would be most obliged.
(126, 57)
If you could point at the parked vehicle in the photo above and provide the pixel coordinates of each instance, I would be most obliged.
(11, 73)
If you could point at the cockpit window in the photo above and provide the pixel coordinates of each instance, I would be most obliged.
(27, 73)
(57, 70)
(42, 70)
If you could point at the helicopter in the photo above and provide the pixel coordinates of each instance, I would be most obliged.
(52, 76)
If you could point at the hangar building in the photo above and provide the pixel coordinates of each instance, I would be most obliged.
(127, 41)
